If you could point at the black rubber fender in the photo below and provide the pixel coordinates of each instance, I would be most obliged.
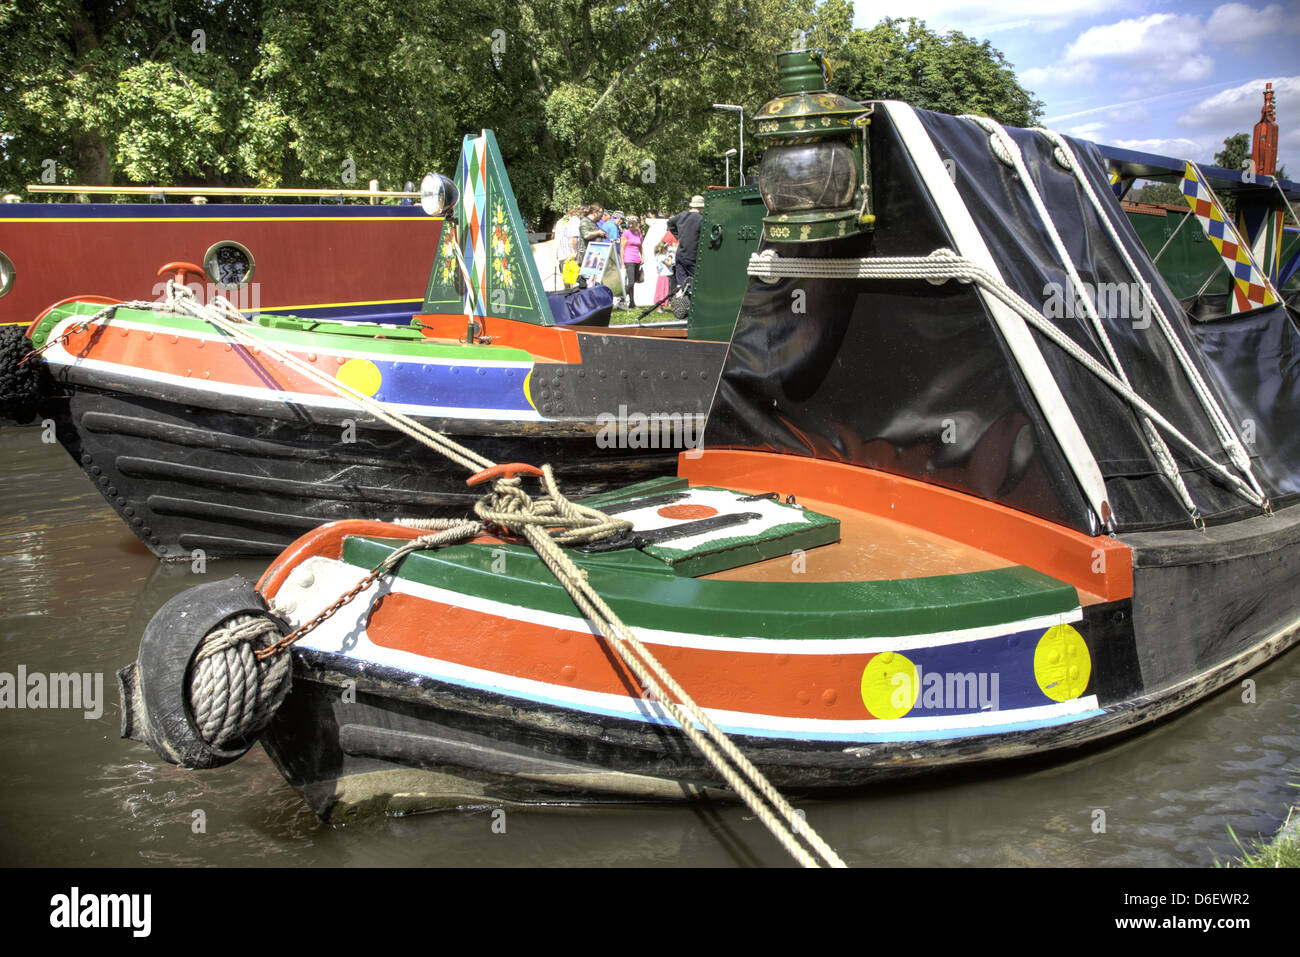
(155, 709)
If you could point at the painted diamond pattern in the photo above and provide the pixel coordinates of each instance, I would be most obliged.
(1250, 286)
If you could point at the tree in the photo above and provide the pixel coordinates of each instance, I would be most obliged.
(951, 73)
(1167, 193)
(129, 88)
(606, 101)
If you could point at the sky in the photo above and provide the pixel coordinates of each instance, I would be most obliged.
(1168, 77)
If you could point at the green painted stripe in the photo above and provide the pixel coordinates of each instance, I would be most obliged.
(646, 593)
(397, 341)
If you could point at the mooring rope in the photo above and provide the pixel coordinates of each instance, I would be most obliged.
(1228, 437)
(942, 265)
(509, 507)
(1006, 150)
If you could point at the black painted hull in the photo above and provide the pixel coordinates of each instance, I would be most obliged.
(185, 478)
(1208, 608)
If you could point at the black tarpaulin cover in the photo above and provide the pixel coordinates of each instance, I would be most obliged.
(916, 378)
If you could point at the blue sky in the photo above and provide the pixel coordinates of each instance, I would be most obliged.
(1173, 78)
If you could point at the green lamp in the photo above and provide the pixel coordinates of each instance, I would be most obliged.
(814, 177)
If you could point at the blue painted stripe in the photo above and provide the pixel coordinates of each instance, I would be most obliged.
(464, 387)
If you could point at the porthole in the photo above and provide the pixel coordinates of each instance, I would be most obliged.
(6, 275)
(229, 264)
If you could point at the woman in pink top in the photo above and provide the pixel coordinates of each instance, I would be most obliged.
(631, 249)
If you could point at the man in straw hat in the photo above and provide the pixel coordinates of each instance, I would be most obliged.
(686, 227)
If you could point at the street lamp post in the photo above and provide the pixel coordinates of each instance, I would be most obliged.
(735, 108)
(729, 154)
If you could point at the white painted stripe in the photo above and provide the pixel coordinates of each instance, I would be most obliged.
(300, 351)
(331, 578)
(970, 244)
(217, 388)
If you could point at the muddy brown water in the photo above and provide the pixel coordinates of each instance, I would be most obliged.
(78, 590)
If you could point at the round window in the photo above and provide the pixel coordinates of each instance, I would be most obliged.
(6, 274)
(229, 264)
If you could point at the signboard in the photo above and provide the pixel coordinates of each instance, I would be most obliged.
(595, 260)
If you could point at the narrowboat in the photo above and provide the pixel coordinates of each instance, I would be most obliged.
(970, 490)
(235, 440)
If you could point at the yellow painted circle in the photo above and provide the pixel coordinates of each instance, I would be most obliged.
(890, 685)
(1062, 665)
(528, 391)
(362, 375)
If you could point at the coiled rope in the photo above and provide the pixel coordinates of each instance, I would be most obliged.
(233, 693)
(509, 507)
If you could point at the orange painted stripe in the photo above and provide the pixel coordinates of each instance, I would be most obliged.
(546, 342)
(796, 686)
(188, 357)
(1100, 566)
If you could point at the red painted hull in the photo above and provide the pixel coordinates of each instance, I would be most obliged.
(349, 258)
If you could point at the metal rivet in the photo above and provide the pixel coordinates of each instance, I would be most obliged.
(829, 696)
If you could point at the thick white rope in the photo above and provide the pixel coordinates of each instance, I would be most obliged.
(713, 743)
(1228, 437)
(1006, 149)
(944, 264)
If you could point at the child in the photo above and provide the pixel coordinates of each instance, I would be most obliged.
(664, 270)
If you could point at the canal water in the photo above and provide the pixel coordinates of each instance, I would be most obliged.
(78, 589)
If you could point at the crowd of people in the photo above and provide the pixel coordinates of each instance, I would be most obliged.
(673, 256)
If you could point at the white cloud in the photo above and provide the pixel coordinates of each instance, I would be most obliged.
(1087, 131)
(1239, 23)
(1236, 110)
(1059, 74)
(1177, 147)
(1160, 49)
(980, 18)
(1240, 105)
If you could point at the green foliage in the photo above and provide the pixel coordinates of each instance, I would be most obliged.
(1167, 193)
(1235, 152)
(951, 73)
(592, 100)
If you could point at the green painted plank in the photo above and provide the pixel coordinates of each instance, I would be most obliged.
(647, 594)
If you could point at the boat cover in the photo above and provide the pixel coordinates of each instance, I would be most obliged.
(582, 307)
(918, 379)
